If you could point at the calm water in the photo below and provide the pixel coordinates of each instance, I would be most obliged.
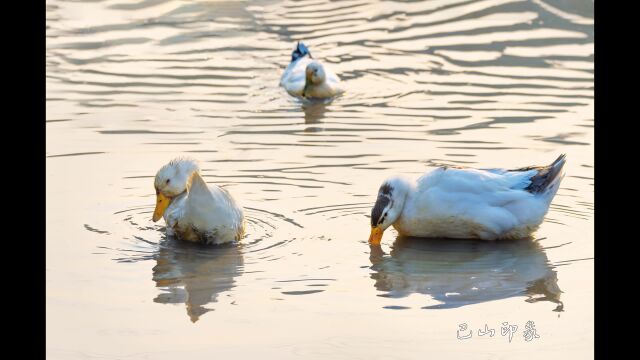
(477, 83)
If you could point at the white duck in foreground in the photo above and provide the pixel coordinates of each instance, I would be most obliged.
(192, 210)
(308, 78)
(487, 204)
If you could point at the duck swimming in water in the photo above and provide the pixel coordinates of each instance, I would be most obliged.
(309, 78)
(192, 210)
(449, 202)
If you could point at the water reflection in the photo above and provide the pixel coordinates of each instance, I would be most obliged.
(463, 272)
(195, 275)
(314, 112)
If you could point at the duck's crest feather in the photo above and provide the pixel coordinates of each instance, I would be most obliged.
(185, 162)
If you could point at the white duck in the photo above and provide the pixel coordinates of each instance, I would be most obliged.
(193, 211)
(487, 204)
(308, 78)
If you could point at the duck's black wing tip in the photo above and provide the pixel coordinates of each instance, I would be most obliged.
(300, 51)
(545, 176)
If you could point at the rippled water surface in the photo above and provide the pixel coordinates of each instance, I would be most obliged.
(131, 84)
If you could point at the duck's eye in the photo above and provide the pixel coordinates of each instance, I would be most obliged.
(382, 218)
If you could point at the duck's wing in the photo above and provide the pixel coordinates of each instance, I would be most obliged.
(294, 77)
(474, 181)
(209, 207)
(533, 180)
(200, 205)
(498, 199)
(334, 82)
(546, 177)
(332, 77)
(542, 178)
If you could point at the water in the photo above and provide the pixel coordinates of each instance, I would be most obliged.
(476, 83)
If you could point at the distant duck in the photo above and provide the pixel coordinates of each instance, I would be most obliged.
(308, 78)
(450, 202)
(192, 210)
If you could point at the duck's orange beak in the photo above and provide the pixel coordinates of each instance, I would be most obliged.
(376, 235)
(161, 205)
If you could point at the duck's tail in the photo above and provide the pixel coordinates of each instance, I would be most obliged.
(548, 177)
(300, 51)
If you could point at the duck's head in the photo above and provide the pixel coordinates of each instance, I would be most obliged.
(315, 73)
(172, 179)
(388, 207)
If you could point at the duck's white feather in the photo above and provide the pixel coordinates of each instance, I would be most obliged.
(471, 203)
(210, 208)
(205, 214)
(294, 79)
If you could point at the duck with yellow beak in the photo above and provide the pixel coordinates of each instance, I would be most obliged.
(192, 210)
(466, 203)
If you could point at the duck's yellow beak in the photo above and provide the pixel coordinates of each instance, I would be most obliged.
(376, 235)
(161, 205)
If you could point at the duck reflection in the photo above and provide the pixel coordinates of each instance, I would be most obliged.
(462, 272)
(194, 274)
(314, 111)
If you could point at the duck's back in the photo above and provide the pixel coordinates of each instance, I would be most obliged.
(486, 204)
(212, 214)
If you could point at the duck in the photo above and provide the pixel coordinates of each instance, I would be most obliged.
(309, 78)
(465, 203)
(192, 210)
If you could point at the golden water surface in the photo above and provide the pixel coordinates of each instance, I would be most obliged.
(131, 84)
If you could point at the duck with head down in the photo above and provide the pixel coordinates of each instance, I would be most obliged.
(192, 210)
(309, 78)
(465, 203)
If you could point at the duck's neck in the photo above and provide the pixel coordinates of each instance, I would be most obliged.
(311, 89)
(321, 90)
(176, 203)
(393, 195)
(401, 189)
(189, 181)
